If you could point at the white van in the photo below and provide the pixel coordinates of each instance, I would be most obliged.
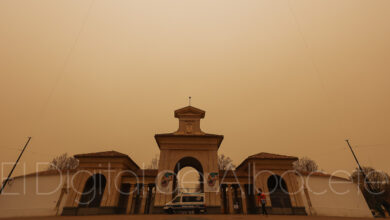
(186, 203)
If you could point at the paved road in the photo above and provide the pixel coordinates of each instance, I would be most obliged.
(185, 217)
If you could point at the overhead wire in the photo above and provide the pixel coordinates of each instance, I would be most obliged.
(60, 75)
(310, 56)
(61, 71)
(34, 129)
(306, 45)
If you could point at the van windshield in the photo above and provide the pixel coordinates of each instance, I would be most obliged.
(192, 199)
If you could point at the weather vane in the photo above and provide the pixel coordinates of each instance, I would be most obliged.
(189, 100)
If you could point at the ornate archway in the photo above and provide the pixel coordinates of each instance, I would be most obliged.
(187, 162)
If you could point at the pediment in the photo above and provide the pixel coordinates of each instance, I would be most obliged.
(189, 111)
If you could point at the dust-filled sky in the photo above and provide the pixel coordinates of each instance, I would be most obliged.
(291, 77)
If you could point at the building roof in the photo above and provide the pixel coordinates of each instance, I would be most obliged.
(102, 154)
(266, 156)
(204, 135)
(189, 110)
(107, 154)
(186, 135)
(240, 173)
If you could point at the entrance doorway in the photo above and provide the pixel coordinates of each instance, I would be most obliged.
(279, 195)
(188, 176)
(93, 191)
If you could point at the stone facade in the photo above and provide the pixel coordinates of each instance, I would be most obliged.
(127, 189)
(112, 183)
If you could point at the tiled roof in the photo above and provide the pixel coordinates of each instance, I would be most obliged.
(102, 154)
(106, 154)
(239, 173)
(264, 155)
(190, 109)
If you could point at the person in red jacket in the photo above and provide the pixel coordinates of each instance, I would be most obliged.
(261, 199)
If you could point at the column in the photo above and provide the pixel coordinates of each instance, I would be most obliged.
(136, 193)
(243, 199)
(143, 200)
(230, 196)
(236, 201)
(130, 199)
(76, 189)
(149, 198)
(110, 194)
(223, 197)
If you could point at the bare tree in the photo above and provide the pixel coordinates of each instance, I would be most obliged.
(305, 164)
(63, 162)
(154, 162)
(379, 184)
(378, 180)
(225, 163)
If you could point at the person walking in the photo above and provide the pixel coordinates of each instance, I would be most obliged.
(261, 199)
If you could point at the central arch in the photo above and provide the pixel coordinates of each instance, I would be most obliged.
(187, 162)
(188, 146)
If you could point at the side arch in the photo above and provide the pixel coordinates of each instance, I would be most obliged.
(93, 191)
(278, 191)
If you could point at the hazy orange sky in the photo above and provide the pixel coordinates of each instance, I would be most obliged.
(291, 77)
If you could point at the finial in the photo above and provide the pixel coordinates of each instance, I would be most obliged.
(189, 100)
